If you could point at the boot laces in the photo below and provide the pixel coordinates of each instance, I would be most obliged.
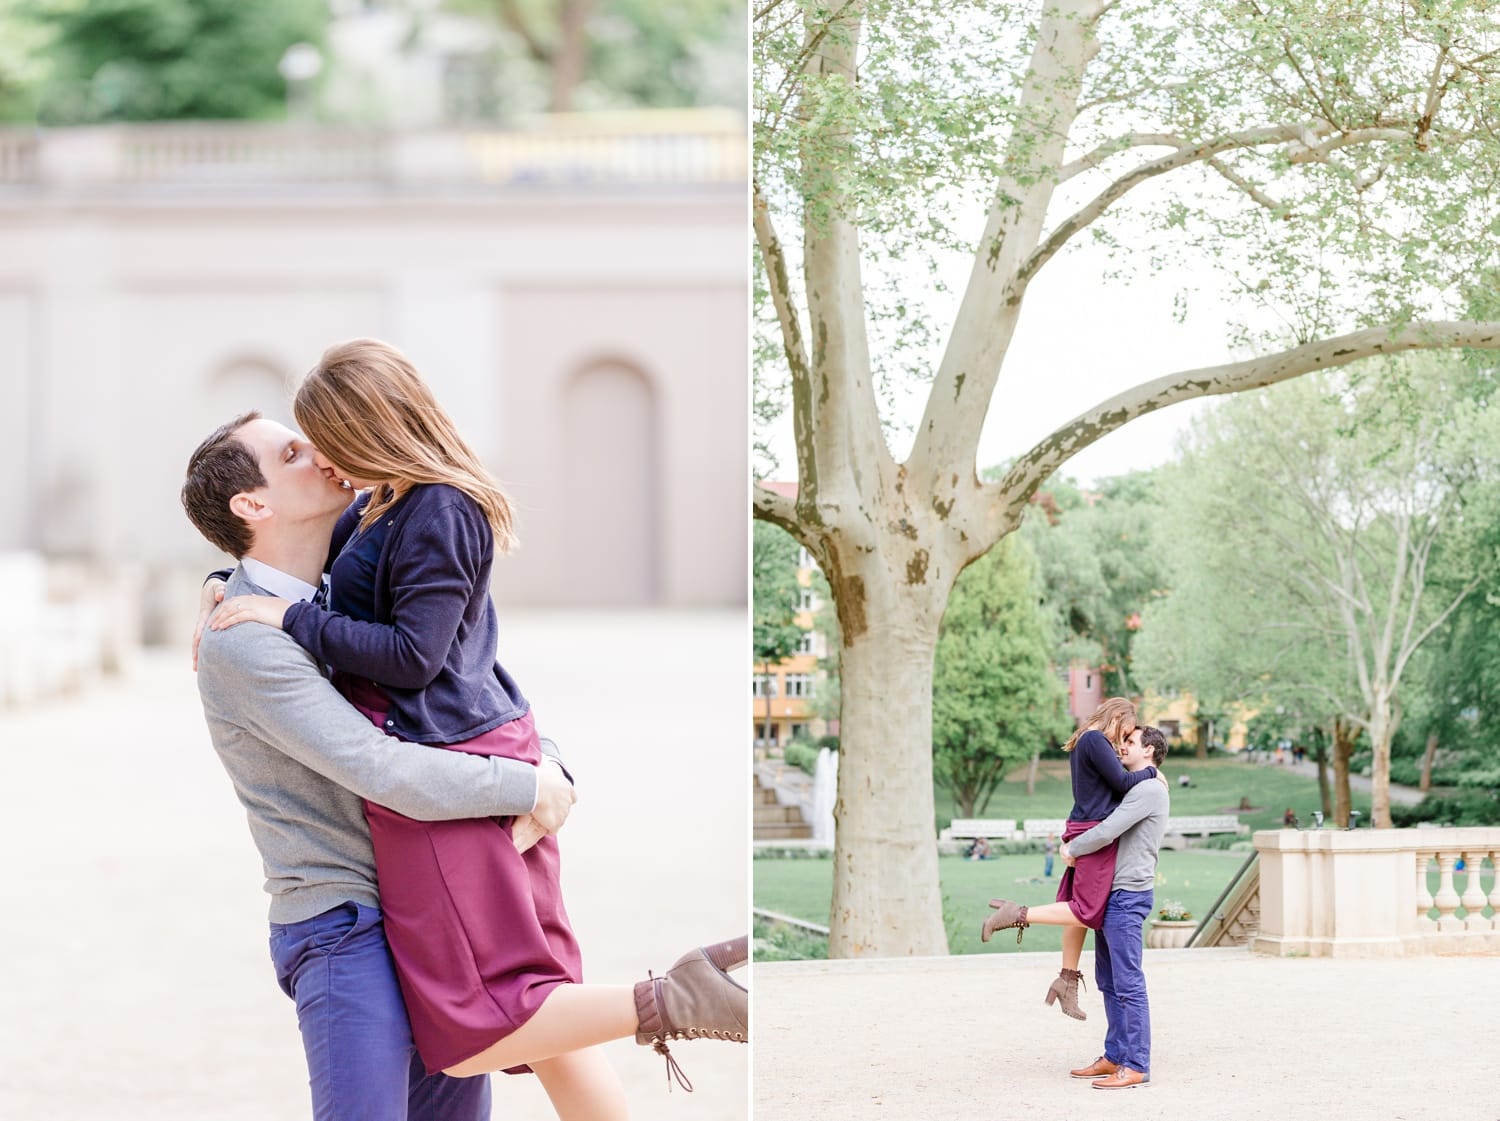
(674, 1071)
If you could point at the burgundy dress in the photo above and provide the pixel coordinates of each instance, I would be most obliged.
(477, 930)
(1085, 887)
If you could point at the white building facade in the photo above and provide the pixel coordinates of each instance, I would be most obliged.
(577, 300)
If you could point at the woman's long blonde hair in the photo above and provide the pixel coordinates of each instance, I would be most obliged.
(1113, 718)
(366, 408)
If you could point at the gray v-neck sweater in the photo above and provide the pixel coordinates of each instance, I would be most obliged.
(301, 758)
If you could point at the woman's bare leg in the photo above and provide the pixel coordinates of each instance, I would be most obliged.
(1072, 939)
(583, 1086)
(1056, 914)
(571, 1018)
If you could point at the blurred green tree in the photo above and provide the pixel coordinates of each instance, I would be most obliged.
(618, 53)
(994, 695)
(144, 60)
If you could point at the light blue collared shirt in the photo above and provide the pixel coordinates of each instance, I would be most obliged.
(277, 582)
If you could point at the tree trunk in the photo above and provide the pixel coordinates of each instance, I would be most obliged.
(1204, 725)
(766, 688)
(1427, 757)
(570, 59)
(1031, 773)
(1343, 748)
(1382, 730)
(1325, 794)
(886, 898)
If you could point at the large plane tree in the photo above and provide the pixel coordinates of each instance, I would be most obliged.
(1337, 159)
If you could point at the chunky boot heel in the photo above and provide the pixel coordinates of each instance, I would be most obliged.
(1064, 988)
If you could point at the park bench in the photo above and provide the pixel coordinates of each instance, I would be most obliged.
(1040, 828)
(1204, 824)
(967, 828)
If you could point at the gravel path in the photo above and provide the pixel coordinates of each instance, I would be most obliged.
(1237, 1036)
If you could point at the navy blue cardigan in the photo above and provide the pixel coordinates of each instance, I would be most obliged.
(1100, 780)
(432, 647)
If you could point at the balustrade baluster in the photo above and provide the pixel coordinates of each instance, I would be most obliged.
(1424, 897)
(1473, 898)
(1447, 900)
(1495, 887)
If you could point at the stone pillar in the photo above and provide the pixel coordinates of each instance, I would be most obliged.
(1332, 893)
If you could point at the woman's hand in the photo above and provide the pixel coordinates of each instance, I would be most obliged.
(526, 831)
(249, 609)
(1066, 856)
(211, 595)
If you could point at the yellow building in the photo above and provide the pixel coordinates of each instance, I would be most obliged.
(1176, 714)
(783, 693)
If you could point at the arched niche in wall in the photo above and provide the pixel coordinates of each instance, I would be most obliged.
(611, 490)
(241, 384)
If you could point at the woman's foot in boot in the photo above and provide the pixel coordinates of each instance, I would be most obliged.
(695, 999)
(1005, 915)
(1064, 990)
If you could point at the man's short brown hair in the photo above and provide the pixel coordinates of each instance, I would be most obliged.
(1155, 740)
(220, 468)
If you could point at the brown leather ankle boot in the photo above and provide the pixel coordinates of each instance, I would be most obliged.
(695, 999)
(1005, 915)
(1064, 988)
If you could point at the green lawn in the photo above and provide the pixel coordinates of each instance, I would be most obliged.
(1218, 786)
(803, 888)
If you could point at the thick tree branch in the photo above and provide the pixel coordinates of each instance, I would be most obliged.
(778, 509)
(1115, 147)
(1086, 215)
(774, 259)
(1033, 468)
(841, 450)
(1313, 153)
(1250, 189)
(1427, 631)
(510, 15)
(991, 305)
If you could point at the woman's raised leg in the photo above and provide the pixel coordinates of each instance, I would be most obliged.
(694, 999)
(571, 1018)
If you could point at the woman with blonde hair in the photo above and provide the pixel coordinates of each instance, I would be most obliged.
(1100, 781)
(473, 911)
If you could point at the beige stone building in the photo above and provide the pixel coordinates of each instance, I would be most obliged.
(576, 295)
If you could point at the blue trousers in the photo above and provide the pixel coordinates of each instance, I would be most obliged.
(361, 1063)
(1121, 980)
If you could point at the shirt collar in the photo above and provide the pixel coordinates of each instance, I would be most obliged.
(277, 582)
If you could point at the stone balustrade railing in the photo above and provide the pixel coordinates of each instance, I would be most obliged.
(1454, 862)
(606, 150)
(62, 624)
(1379, 892)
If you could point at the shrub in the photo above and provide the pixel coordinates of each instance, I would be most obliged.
(803, 755)
(776, 942)
(1173, 911)
(830, 741)
(1467, 806)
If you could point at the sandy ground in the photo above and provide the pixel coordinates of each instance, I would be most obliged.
(1237, 1036)
(136, 981)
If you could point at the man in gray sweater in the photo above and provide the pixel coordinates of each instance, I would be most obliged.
(1138, 823)
(301, 759)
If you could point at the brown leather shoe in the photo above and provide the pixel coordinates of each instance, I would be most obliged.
(1064, 988)
(1005, 915)
(695, 999)
(1123, 1079)
(1096, 1069)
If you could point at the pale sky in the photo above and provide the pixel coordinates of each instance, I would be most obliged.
(1083, 339)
